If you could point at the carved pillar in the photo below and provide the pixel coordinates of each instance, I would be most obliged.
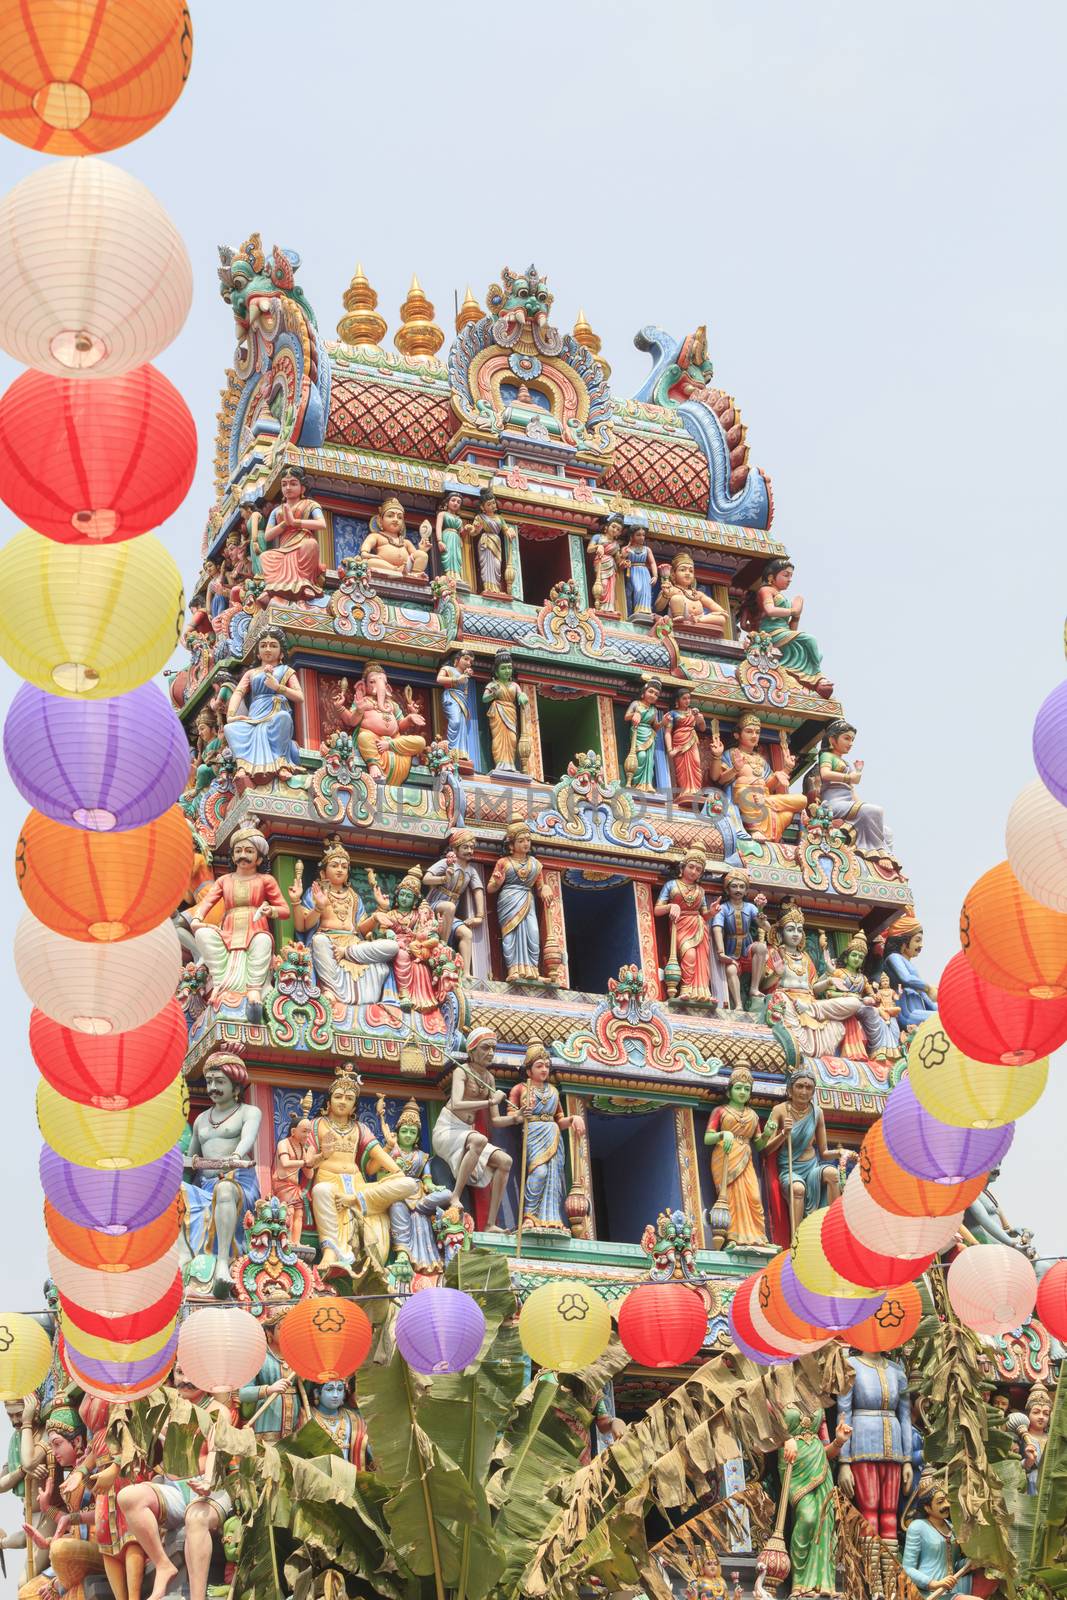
(646, 934)
(533, 730)
(689, 1172)
(260, 1095)
(306, 728)
(609, 748)
(555, 931)
(581, 1166)
(578, 572)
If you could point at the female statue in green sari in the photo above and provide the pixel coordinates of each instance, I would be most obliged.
(813, 1540)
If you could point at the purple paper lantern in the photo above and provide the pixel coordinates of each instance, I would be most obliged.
(929, 1148)
(1050, 743)
(129, 1373)
(749, 1351)
(97, 764)
(111, 1202)
(440, 1330)
(825, 1310)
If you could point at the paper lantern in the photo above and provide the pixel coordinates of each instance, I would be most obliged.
(966, 1093)
(90, 1347)
(113, 1139)
(221, 1348)
(82, 76)
(95, 463)
(1050, 743)
(784, 1322)
(324, 1339)
(1052, 1300)
(117, 1394)
(25, 1355)
(128, 1327)
(663, 1324)
(914, 1239)
(117, 1202)
(744, 1334)
(992, 1288)
(112, 1294)
(1036, 840)
(98, 764)
(811, 1267)
(1012, 940)
(112, 1252)
(104, 886)
(564, 1326)
(130, 1374)
(833, 1312)
(440, 1331)
(892, 1324)
(88, 622)
(97, 988)
(988, 1024)
(899, 1191)
(767, 1334)
(929, 1148)
(114, 1071)
(858, 1262)
(97, 278)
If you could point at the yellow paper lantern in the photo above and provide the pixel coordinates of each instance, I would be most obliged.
(565, 1326)
(97, 988)
(100, 1349)
(811, 1266)
(25, 1355)
(96, 277)
(111, 1140)
(88, 621)
(966, 1093)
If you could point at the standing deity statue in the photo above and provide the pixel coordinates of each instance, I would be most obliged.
(238, 952)
(287, 1175)
(605, 550)
(221, 1157)
(410, 1224)
(772, 613)
(388, 551)
(493, 536)
(734, 1135)
(259, 716)
(839, 782)
(342, 1422)
(383, 736)
(682, 727)
(291, 561)
(685, 903)
(685, 602)
(272, 1397)
(470, 1156)
(814, 1019)
(645, 721)
(450, 883)
(449, 529)
(1031, 1429)
(506, 705)
(932, 1558)
(917, 1000)
(639, 565)
(454, 680)
(764, 807)
(737, 935)
(876, 1460)
(537, 1101)
(813, 1537)
(343, 1155)
(517, 881)
(808, 1175)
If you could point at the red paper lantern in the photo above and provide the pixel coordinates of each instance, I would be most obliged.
(126, 1329)
(111, 1071)
(324, 1339)
(1052, 1300)
(95, 463)
(112, 1252)
(739, 1310)
(776, 1309)
(896, 1190)
(989, 1024)
(891, 1325)
(856, 1262)
(663, 1324)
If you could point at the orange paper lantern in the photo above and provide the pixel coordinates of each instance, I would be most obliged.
(90, 75)
(776, 1309)
(1012, 940)
(891, 1325)
(104, 886)
(898, 1191)
(112, 1252)
(324, 1339)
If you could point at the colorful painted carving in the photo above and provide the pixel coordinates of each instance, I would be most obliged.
(691, 969)
(758, 792)
(517, 883)
(808, 1177)
(382, 726)
(537, 1101)
(259, 716)
(507, 705)
(238, 950)
(290, 563)
(470, 1155)
(388, 551)
(735, 1137)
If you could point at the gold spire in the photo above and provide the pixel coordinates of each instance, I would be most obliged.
(469, 311)
(591, 341)
(418, 336)
(363, 325)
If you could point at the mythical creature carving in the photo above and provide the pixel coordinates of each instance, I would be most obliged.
(270, 1271)
(521, 310)
(587, 807)
(670, 1244)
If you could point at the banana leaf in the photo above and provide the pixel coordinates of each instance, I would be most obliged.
(1041, 1525)
(256, 1575)
(336, 1514)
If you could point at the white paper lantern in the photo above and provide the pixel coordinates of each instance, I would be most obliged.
(97, 988)
(220, 1349)
(1036, 837)
(96, 277)
(907, 1238)
(112, 1294)
(992, 1288)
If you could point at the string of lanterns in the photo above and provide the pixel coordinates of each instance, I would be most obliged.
(97, 448)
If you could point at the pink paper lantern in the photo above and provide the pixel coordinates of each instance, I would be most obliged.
(221, 1348)
(113, 1294)
(891, 1235)
(1036, 837)
(992, 1288)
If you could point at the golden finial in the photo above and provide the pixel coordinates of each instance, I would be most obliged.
(589, 340)
(363, 325)
(418, 337)
(469, 311)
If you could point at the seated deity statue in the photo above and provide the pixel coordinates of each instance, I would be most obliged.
(758, 793)
(221, 1159)
(815, 1019)
(238, 951)
(682, 598)
(388, 551)
(291, 562)
(839, 781)
(352, 970)
(383, 727)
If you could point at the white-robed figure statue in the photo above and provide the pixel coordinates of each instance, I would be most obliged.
(470, 1156)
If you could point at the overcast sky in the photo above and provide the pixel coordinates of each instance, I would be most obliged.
(865, 205)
